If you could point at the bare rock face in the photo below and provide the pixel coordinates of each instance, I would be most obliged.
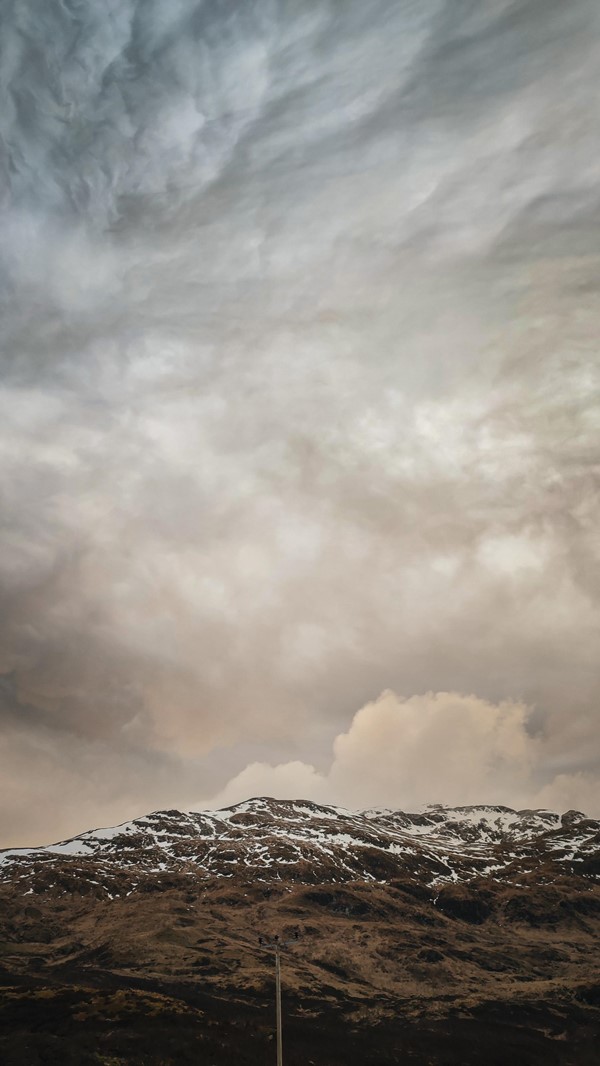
(445, 936)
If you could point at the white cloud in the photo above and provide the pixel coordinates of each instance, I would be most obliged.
(291, 780)
(438, 747)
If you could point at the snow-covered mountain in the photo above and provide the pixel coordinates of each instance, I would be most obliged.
(448, 936)
(302, 842)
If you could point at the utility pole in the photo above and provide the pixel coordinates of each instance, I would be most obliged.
(275, 944)
(278, 1004)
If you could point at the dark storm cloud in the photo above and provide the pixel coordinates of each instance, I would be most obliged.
(300, 396)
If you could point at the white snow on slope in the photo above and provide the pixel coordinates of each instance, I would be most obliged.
(262, 835)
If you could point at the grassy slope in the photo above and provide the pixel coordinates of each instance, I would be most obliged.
(173, 973)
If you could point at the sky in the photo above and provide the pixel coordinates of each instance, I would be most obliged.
(299, 405)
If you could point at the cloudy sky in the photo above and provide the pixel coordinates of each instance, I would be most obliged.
(299, 408)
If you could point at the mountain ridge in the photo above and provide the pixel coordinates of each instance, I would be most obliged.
(263, 837)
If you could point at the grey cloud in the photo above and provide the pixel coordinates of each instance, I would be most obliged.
(300, 394)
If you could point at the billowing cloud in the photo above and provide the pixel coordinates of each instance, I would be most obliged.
(299, 391)
(438, 747)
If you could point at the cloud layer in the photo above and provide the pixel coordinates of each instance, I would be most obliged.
(299, 396)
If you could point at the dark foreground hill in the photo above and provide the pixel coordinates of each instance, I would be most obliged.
(445, 938)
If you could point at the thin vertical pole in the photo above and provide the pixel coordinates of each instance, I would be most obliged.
(278, 999)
